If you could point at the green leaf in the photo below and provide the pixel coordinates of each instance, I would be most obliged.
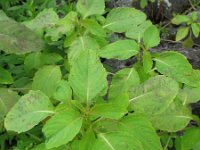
(147, 61)
(194, 16)
(188, 43)
(93, 27)
(45, 19)
(122, 49)
(90, 7)
(151, 37)
(46, 79)
(64, 26)
(87, 76)
(143, 3)
(189, 95)
(182, 33)
(5, 76)
(191, 139)
(63, 91)
(195, 29)
(123, 19)
(179, 19)
(7, 99)
(18, 39)
(154, 95)
(62, 128)
(122, 81)
(138, 31)
(114, 109)
(176, 113)
(132, 126)
(176, 65)
(80, 44)
(38, 59)
(28, 112)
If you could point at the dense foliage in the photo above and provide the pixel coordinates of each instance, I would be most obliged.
(56, 92)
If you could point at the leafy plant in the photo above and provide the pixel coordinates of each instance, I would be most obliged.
(61, 98)
(191, 26)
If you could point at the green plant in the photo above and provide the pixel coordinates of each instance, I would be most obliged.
(190, 26)
(60, 86)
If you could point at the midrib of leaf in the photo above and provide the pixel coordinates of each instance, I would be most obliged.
(88, 88)
(109, 24)
(135, 98)
(82, 43)
(107, 142)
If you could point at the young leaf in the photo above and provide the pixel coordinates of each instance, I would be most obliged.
(87, 77)
(18, 39)
(194, 16)
(80, 44)
(90, 7)
(151, 37)
(5, 76)
(28, 112)
(154, 95)
(182, 33)
(63, 91)
(62, 128)
(147, 61)
(93, 27)
(176, 65)
(123, 19)
(122, 49)
(195, 29)
(179, 19)
(46, 79)
(7, 99)
(143, 3)
(122, 81)
(177, 114)
(114, 109)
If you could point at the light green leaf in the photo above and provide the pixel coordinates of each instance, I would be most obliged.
(154, 95)
(63, 91)
(46, 79)
(45, 19)
(195, 29)
(143, 3)
(138, 31)
(122, 81)
(28, 112)
(189, 95)
(176, 113)
(176, 66)
(179, 19)
(38, 59)
(151, 37)
(117, 141)
(123, 19)
(7, 99)
(87, 76)
(62, 128)
(194, 16)
(132, 125)
(93, 27)
(90, 7)
(114, 109)
(80, 44)
(5, 76)
(147, 61)
(182, 33)
(122, 49)
(191, 139)
(64, 26)
(16, 38)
